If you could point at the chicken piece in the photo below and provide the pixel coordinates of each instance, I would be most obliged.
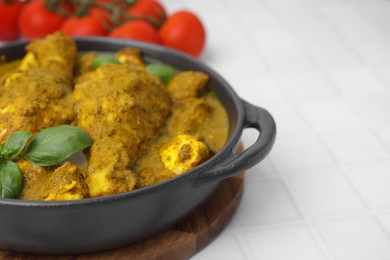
(186, 85)
(130, 57)
(201, 117)
(41, 183)
(34, 180)
(9, 67)
(39, 94)
(65, 183)
(33, 100)
(126, 108)
(183, 153)
(109, 169)
(189, 117)
(57, 53)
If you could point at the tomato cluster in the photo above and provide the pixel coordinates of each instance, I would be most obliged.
(142, 20)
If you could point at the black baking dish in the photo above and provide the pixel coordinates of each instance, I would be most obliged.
(97, 224)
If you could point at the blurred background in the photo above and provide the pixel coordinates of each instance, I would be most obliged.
(322, 69)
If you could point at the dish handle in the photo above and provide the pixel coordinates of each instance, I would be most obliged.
(232, 163)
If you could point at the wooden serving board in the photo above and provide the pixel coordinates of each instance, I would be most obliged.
(181, 241)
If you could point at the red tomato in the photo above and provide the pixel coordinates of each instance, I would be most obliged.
(103, 16)
(145, 8)
(99, 13)
(185, 32)
(9, 13)
(136, 30)
(86, 26)
(36, 21)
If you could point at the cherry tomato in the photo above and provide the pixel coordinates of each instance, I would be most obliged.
(9, 13)
(36, 21)
(145, 8)
(103, 16)
(185, 32)
(100, 14)
(86, 25)
(136, 30)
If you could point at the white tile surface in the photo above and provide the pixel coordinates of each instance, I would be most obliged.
(356, 147)
(357, 80)
(374, 183)
(375, 54)
(371, 106)
(353, 25)
(225, 247)
(329, 115)
(263, 171)
(306, 86)
(356, 239)
(301, 153)
(270, 92)
(266, 202)
(286, 59)
(333, 56)
(322, 68)
(292, 242)
(384, 134)
(288, 120)
(326, 193)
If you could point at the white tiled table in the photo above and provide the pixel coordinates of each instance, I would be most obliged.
(322, 68)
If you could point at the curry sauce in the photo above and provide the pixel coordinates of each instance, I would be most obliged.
(143, 131)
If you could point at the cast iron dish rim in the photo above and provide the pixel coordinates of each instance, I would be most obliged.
(191, 174)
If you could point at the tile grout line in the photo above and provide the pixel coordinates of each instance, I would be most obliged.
(375, 213)
(357, 192)
(239, 232)
(340, 34)
(259, 56)
(314, 231)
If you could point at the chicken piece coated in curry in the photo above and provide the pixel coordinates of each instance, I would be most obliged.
(56, 53)
(183, 153)
(34, 100)
(197, 128)
(38, 94)
(128, 57)
(122, 110)
(66, 182)
(187, 85)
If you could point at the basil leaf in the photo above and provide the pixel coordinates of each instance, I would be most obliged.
(14, 145)
(55, 144)
(102, 59)
(164, 72)
(11, 180)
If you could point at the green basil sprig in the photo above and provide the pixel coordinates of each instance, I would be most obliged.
(14, 145)
(55, 144)
(102, 59)
(50, 146)
(10, 180)
(164, 72)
